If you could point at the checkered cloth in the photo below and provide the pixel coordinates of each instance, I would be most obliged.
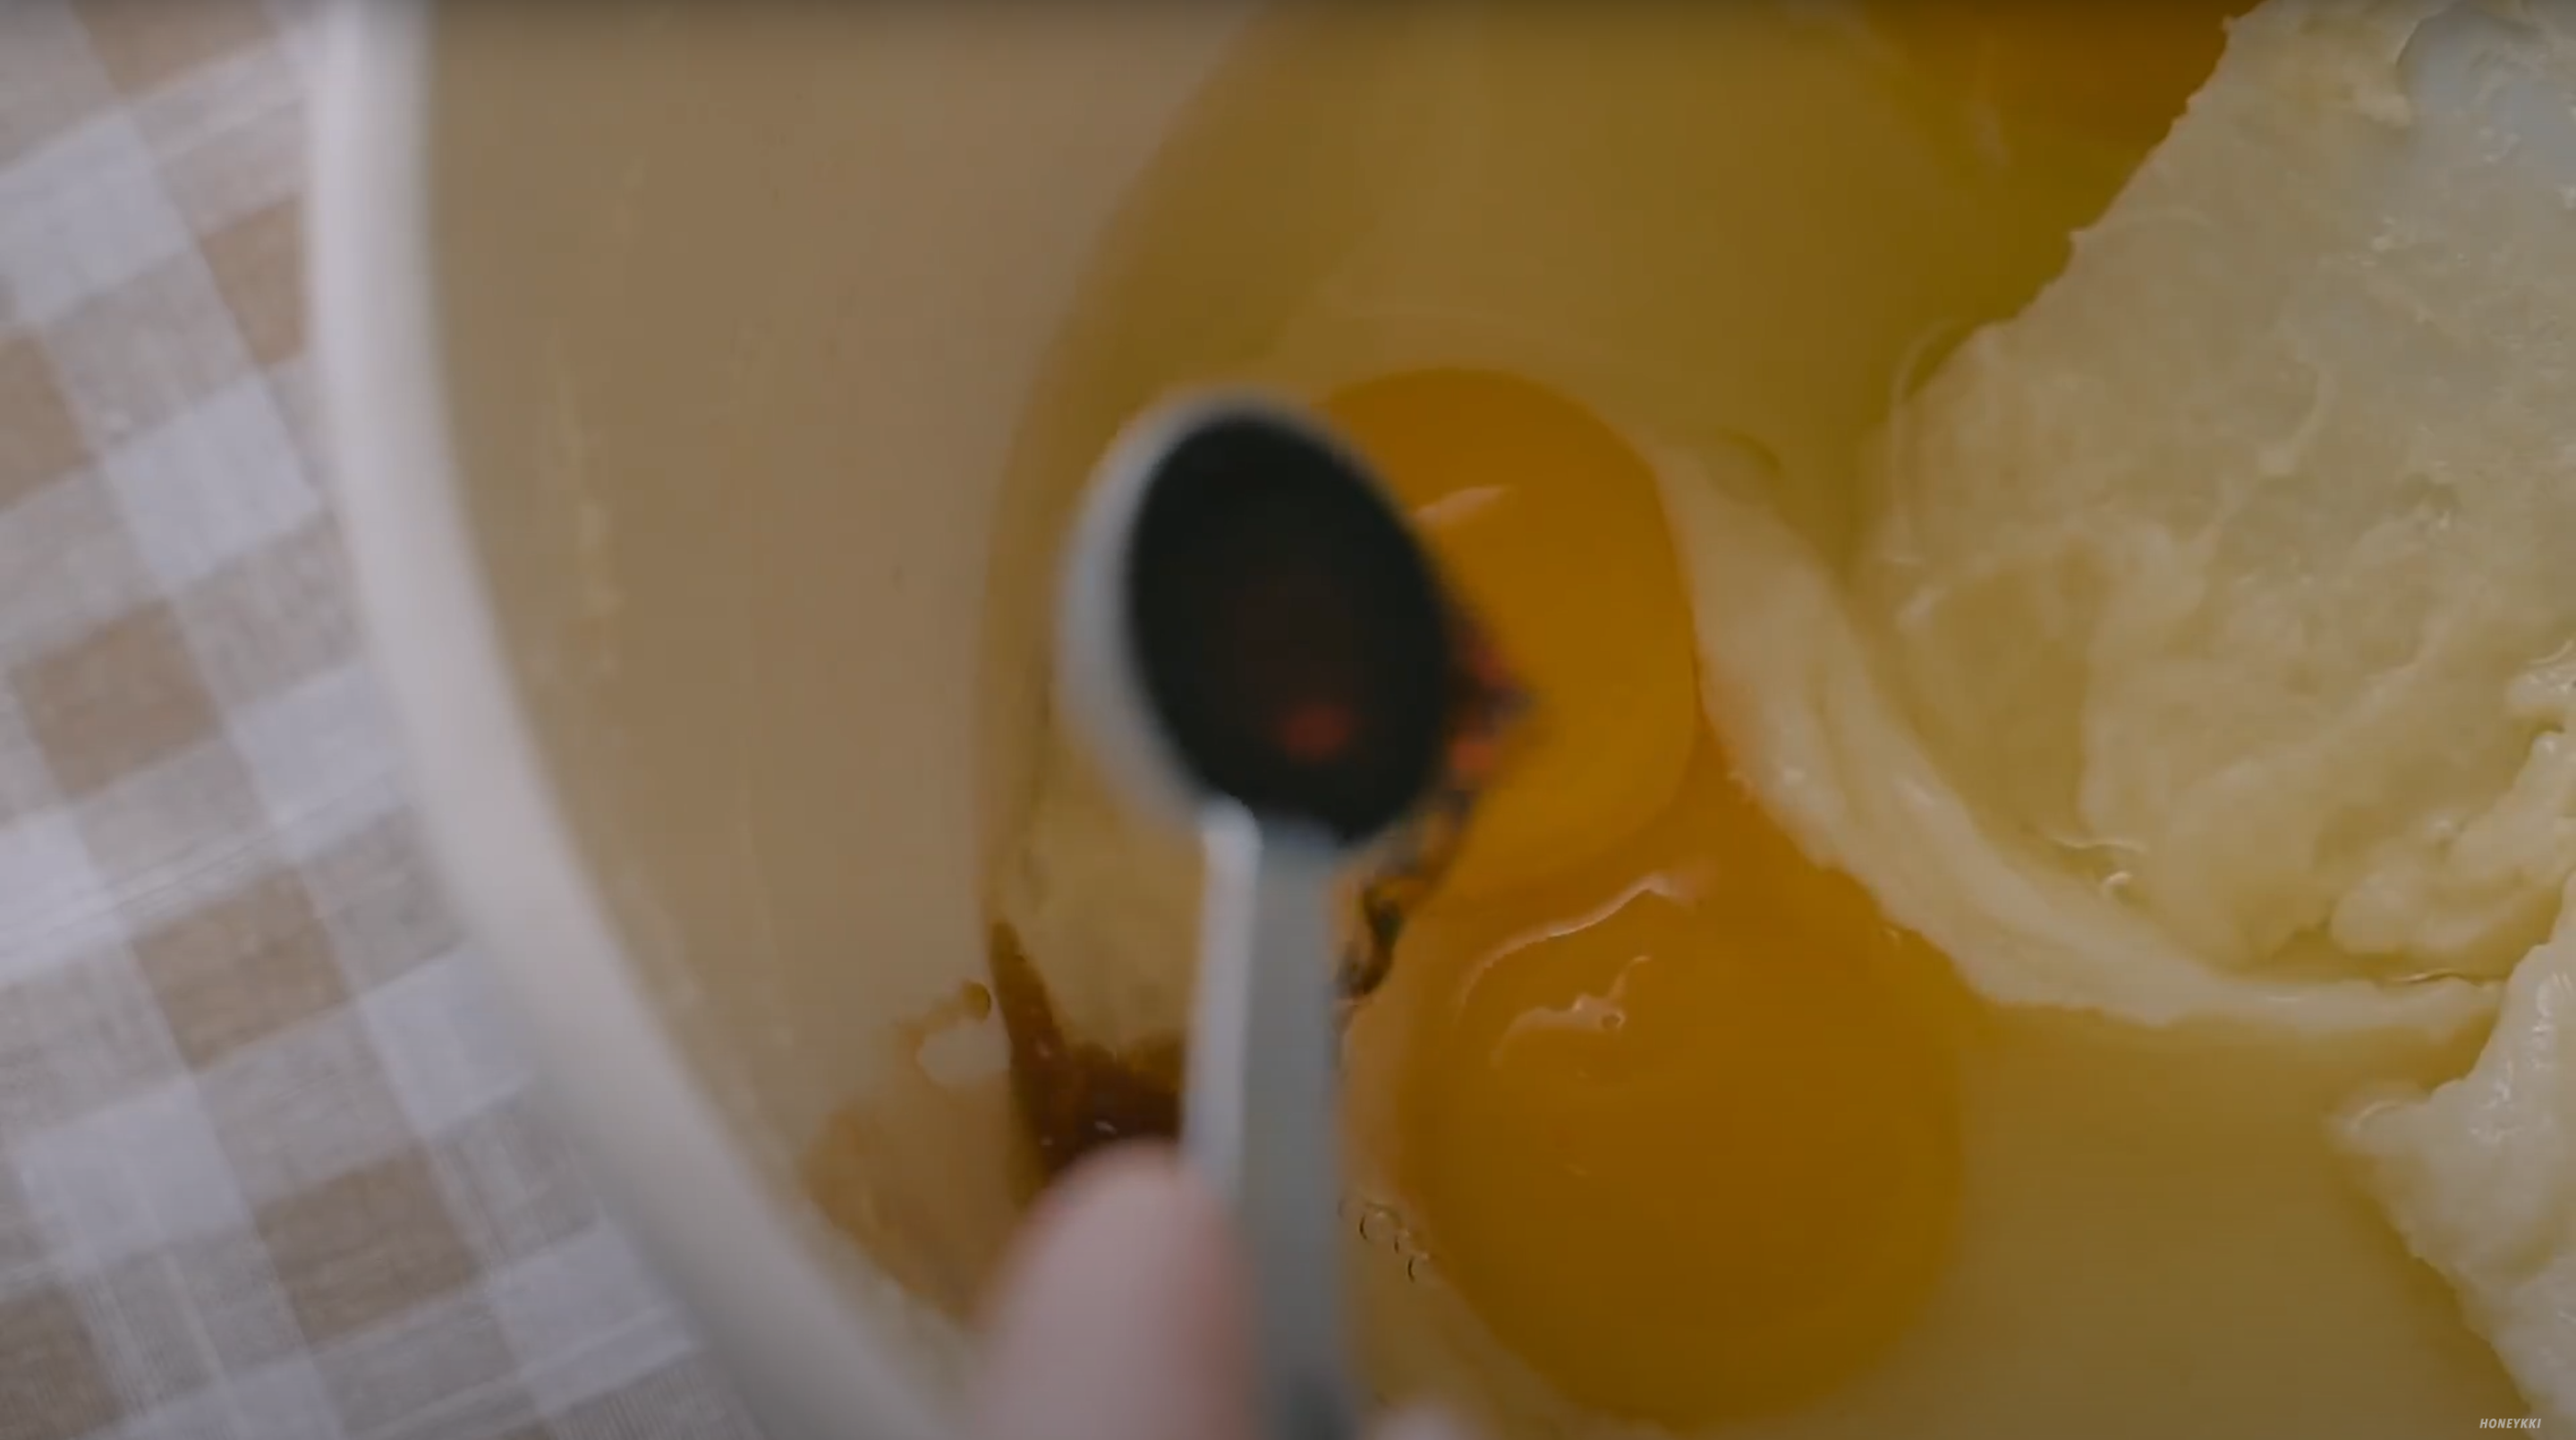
(268, 1165)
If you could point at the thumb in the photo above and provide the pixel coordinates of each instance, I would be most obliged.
(1122, 1314)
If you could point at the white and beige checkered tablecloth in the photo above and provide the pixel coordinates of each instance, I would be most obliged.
(269, 1169)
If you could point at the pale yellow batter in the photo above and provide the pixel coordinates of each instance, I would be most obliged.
(2210, 652)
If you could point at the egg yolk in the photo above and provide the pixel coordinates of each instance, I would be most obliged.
(1674, 1105)
(1684, 1134)
(1549, 525)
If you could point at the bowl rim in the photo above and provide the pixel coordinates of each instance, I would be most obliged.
(806, 1360)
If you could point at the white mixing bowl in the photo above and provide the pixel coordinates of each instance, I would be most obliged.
(703, 416)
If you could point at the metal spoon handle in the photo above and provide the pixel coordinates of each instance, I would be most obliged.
(1265, 1129)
